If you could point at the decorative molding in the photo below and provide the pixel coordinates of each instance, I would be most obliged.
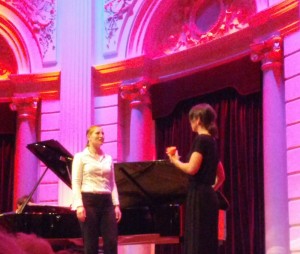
(38, 78)
(14, 52)
(107, 78)
(114, 16)
(41, 17)
(282, 19)
(46, 85)
(229, 21)
(136, 91)
(26, 106)
(270, 52)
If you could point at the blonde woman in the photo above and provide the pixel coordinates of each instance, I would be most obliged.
(95, 194)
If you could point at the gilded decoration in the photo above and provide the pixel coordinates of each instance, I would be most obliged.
(178, 25)
(192, 23)
(40, 15)
(270, 52)
(25, 106)
(135, 91)
(228, 19)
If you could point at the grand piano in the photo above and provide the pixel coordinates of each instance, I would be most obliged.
(151, 194)
(45, 220)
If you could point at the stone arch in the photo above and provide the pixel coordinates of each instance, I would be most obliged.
(19, 37)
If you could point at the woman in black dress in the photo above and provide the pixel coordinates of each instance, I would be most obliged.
(201, 213)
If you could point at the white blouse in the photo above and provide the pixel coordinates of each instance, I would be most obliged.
(92, 175)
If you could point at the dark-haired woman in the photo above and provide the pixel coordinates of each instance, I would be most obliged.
(201, 211)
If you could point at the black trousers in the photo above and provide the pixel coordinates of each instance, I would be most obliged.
(100, 219)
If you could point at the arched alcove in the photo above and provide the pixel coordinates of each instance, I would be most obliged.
(19, 37)
(8, 62)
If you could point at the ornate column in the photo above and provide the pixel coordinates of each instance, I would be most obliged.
(142, 129)
(25, 175)
(142, 143)
(274, 132)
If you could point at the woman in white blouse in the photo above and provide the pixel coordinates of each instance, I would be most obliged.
(95, 194)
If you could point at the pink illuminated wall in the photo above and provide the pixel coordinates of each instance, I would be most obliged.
(292, 97)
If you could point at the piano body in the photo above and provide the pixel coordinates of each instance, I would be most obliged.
(45, 220)
(150, 194)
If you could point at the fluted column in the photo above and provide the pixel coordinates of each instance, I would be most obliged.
(25, 173)
(142, 129)
(142, 144)
(274, 133)
(75, 92)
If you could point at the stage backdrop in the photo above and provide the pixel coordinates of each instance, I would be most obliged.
(240, 144)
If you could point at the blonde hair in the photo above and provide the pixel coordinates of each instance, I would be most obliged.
(89, 132)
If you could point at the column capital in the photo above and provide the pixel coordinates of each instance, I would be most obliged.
(270, 52)
(136, 91)
(25, 105)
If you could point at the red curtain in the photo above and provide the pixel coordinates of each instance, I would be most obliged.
(7, 150)
(7, 143)
(240, 144)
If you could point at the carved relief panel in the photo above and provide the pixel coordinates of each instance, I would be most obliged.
(168, 26)
(40, 17)
(189, 23)
(115, 13)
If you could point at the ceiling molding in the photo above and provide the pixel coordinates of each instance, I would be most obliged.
(281, 19)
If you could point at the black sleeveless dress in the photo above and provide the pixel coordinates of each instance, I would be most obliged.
(201, 213)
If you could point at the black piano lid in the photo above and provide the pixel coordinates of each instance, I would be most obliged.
(150, 183)
(55, 157)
